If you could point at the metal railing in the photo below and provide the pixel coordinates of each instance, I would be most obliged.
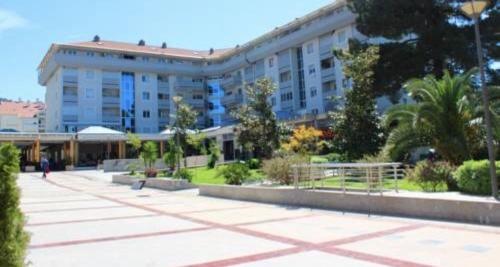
(368, 177)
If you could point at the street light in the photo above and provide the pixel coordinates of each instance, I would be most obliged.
(474, 9)
(177, 100)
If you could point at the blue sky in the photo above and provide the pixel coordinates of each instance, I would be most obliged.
(28, 27)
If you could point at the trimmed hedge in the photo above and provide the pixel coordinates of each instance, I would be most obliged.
(13, 239)
(473, 177)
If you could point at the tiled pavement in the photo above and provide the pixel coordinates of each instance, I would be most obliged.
(76, 220)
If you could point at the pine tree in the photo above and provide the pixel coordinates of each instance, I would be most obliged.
(356, 127)
(258, 129)
(13, 239)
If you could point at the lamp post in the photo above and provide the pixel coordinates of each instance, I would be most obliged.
(177, 101)
(473, 10)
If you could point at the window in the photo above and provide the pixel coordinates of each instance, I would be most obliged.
(90, 54)
(89, 93)
(310, 48)
(328, 86)
(197, 96)
(346, 83)
(314, 111)
(312, 69)
(163, 113)
(89, 74)
(327, 63)
(273, 101)
(146, 114)
(145, 78)
(163, 96)
(146, 59)
(286, 97)
(285, 76)
(314, 92)
(271, 62)
(146, 95)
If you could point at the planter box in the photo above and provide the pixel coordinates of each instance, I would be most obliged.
(29, 168)
(69, 168)
(157, 183)
(471, 211)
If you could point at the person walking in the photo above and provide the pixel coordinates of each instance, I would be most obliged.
(44, 164)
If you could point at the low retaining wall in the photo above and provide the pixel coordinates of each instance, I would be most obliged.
(453, 210)
(157, 183)
(121, 165)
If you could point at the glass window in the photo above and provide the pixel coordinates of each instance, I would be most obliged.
(341, 37)
(145, 78)
(327, 63)
(312, 69)
(314, 92)
(285, 76)
(271, 62)
(146, 96)
(146, 114)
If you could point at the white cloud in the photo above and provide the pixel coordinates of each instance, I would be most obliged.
(11, 20)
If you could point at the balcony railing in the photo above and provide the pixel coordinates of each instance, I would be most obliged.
(111, 100)
(231, 81)
(232, 99)
(189, 84)
(328, 74)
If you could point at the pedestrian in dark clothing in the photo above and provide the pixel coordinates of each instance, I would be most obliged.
(44, 164)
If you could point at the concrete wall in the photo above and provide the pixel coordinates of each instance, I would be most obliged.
(157, 183)
(121, 165)
(453, 210)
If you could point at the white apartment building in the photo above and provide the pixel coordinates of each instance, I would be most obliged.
(20, 116)
(129, 87)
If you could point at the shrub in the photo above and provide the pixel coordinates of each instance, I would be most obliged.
(280, 169)
(214, 154)
(473, 177)
(183, 174)
(335, 157)
(151, 172)
(13, 239)
(318, 160)
(254, 164)
(236, 173)
(431, 176)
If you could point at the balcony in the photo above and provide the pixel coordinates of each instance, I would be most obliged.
(163, 86)
(231, 81)
(232, 99)
(196, 103)
(110, 118)
(328, 74)
(70, 118)
(188, 84)
(164, 103)
(111, 100)
(286, 84)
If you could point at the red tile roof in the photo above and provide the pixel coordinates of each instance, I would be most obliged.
(147, 49)
(21, 109)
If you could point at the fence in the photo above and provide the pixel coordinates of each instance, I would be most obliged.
(369, 177)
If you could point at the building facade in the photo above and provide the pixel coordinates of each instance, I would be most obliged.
(129, 87)
(20, 116)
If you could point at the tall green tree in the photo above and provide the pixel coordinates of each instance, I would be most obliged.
(258, 129)
(423, 37)
(185, 119)
(443, 117)
(13, 239)
(135, 142)
(356, 126)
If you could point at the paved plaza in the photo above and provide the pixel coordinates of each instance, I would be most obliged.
(81, 219)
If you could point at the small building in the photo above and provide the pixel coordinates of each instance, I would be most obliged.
(20, 116)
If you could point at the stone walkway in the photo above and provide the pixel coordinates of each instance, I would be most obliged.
(81, 219)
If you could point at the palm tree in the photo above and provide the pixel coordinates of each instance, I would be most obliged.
(442, 117)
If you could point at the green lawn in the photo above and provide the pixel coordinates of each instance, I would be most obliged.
(403, 184)
(204, 175)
